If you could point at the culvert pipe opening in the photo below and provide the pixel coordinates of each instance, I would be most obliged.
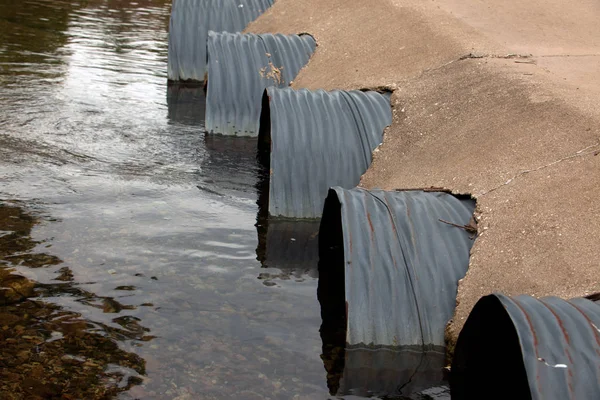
(264, 132)
(331, 292)
(487, 359)
(287, 248)
(318, 139)
(529, 348)
(389, 270)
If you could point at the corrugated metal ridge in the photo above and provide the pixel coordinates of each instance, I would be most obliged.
(554, 350)
(318, 139)
(188, 30)
(401, 263)
(240, 68)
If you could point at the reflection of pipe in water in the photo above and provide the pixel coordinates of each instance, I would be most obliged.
(186, 104)
(230, 165)
(388, 275)
(290, 246)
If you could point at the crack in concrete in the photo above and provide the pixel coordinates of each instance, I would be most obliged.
(569, 55)
(470, 56)
(580, 153)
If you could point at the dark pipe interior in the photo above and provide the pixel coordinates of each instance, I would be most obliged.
(331, 291)
(593, 297)
(488, 362)
(264, 132)
(262, 216)
(263, 155)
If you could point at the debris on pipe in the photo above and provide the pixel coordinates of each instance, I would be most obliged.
(240, 68)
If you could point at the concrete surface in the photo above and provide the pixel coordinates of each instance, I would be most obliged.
(497, 99)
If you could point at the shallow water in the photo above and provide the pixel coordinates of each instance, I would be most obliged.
(130, 195)
(130, 227)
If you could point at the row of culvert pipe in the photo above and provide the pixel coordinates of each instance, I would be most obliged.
(389, 261)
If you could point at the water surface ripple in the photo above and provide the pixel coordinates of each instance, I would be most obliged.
(148, 226)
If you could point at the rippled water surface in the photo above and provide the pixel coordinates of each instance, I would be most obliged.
(129, 237)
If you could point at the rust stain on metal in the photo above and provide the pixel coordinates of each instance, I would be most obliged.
(536, 343)
(595, 328)
(370, 222)
(560, 323)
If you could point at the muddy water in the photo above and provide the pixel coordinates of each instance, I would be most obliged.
(132, 235)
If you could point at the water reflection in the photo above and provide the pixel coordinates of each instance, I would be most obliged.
(32, 34)
(48, 351)
(231, 164)
(187, 104)
(289, 249)
(153, 221)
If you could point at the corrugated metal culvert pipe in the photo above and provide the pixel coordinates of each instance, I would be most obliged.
(388, 276)
(313, 140)
(526, 348)
(188, 30)
(240, 68)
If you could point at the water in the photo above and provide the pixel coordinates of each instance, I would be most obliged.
(149, 225)
(134, 258)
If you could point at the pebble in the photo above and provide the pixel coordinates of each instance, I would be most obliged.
(264, 360)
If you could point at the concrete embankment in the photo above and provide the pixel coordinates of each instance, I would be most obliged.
(498, 100)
